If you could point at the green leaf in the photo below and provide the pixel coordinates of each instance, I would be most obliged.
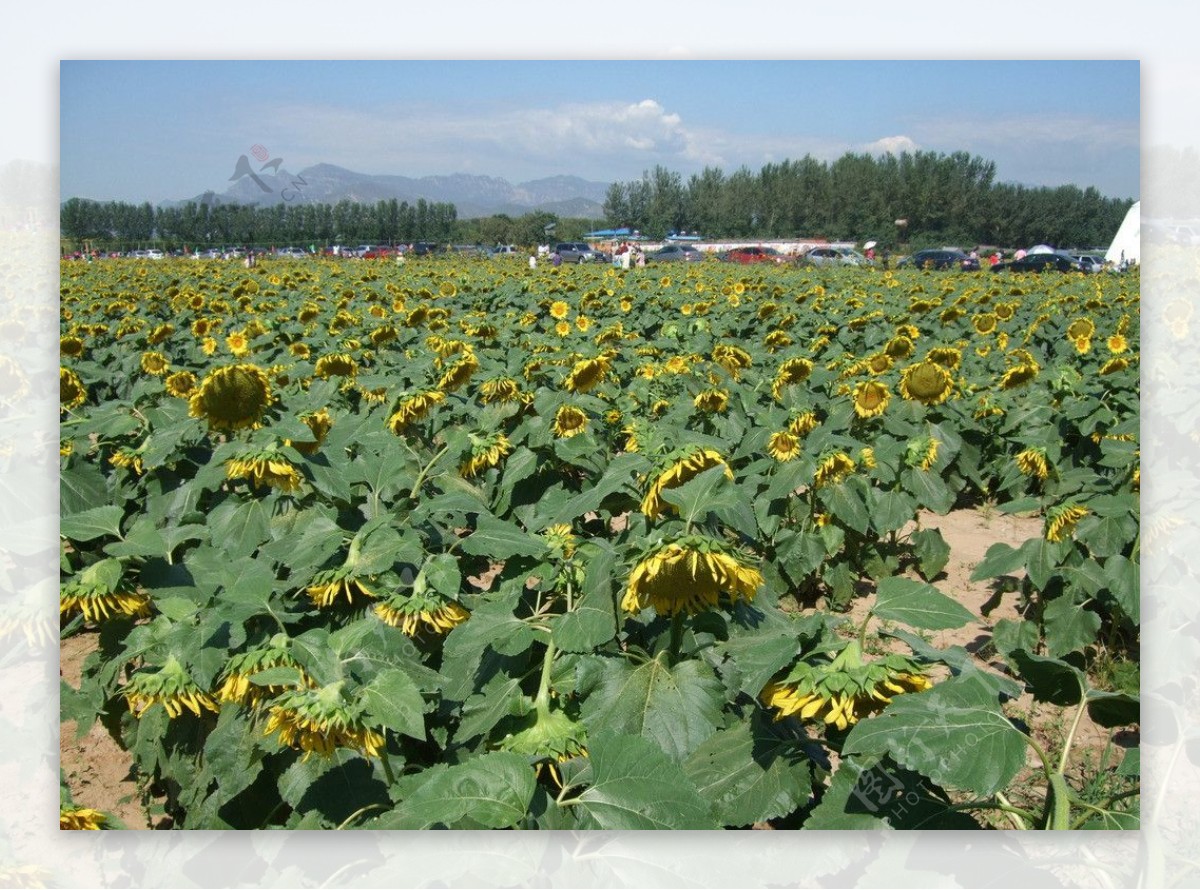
(1000, 559)
(619, 475)
(707, 493)
(490, 791)
(918, 605)
(91, 524)
(500, 697)
(1111, 709)
(319, 785)
(929, 489)
(1124, 585)
(393, 701)
(442, 573)
(1050, 679)
(1131, 763)
(677, 707)
(960, 661)
(1069, 627)
(634, 785)
(751, 772)
(1041, 560)
(1009, 635)
(755, 658)
(499, 540)
(1107, 535)
(890, 510)
(954, 734)
(871, 792)
(80, 487)
(377, 545)
(844, 501)
(238, 529)
(931, 550)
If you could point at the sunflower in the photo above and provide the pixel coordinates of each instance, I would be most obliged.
(486, 452)
(870, 398)
(1018, 375)
(984, 322)
(1061, 521)
(1113, 365)
(676, 364)
(690, 575)
(1032, 462)
(170, 686)
(427, 610)
(208, 345)
(842, 690)
(238, 343)
(265, 469)
(803, 424)
(783, 446)
(777, 340)
(1083, 345)
(459, 374)
(685, 466)
(880, 363)
(160, 333)
(559, 310)
(97, 602)
(790, 373)
(926, 382)
(333, 584)
(320, 423)
(546, 737)
(384, 334)
(922, 452)
(899, 347)
(733, 359)
(561, 539)
(1082, 328)
(232, 398)
(866, 457)
(946, 356)
(73, 818)
(321, 720)
(412, 409)
(586, 374)
(832, 467)
(181, 384)
(71, 392)
(70, 346)
(499, 389)
(155, 363)
(128, 459)
(338, 364)
(237, 686)
(711, 401)
(569, 421)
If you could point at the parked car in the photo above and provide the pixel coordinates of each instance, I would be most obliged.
(577, 252)
(296, 253)
(675, 253)
(212, 253)
(834, 256)
(506, 250)
(941, 259)
(154, 254)
(423, 248)
(1091, 262)
(1042, 262)
(754, 255)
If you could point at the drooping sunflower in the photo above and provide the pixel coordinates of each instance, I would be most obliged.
(803, 423)
(329, 586)
(791, 372)
(96, 601)
(784, 446)
(926, 382)
(842, 690)
(1032, 462)
(320, 423)
(1082, 328)
(569, 421)
(922, 452)
(337, 364)
(321, 720)
(586, 373)
(426, 611)
(70, 346)
(459, 374)
(170, 686)
(73, 818)
(232, 398)
(880, 363)
(733, 359)
(899, 347)
(1113, 365)
(412, 409)
(265, 469)
(128, 459)
(681, 466)
(691, 575)
(236, 685)
(1061, 521)
(984, 322)
(946, 356)
(870, 398)
(832, 467)
(499, 389)
(486, 452)
(71, 392)
(711, 401)
(1018, 375)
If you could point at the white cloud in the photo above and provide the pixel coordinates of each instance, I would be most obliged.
(892, 145)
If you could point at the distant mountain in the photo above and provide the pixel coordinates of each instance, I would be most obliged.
(472, 195)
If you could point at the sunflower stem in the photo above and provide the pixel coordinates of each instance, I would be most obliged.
(387, 768)
(542, 702)
(677, 621)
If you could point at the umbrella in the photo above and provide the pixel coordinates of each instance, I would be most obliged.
(869, 245)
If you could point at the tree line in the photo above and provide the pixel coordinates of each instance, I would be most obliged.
(942, 199)
(117, 224)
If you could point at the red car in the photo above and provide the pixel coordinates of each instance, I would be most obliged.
(754, 255)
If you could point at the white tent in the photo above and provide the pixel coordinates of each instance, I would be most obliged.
(1126, 247)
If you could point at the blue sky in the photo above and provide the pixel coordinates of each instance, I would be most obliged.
(168, 130)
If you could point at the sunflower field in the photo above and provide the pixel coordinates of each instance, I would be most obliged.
(465, 544)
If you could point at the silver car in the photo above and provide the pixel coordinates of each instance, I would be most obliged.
(835, 256)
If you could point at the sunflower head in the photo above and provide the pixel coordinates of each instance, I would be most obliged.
(321, 720)
(569, 421)
(791, 372)
(679, 467)
(586, 373)
(422, 610)
(413, 408)
(1061, 521)
(486, 452)
(711, 401)
(338, 364)
(691, 575)
(1018, 375)
(926, 382)
(232, 398)
(870, 398)
(1032, 462)
(170, 686)
(71, 392)
(832, 467)
(265, 469)
(784, 446)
